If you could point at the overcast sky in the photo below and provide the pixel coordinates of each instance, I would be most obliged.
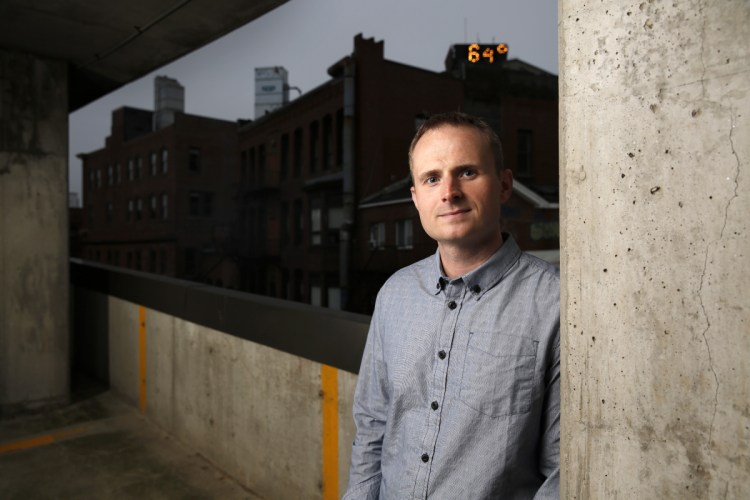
(307, 36)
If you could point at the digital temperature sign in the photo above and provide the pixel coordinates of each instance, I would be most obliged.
(482, 53)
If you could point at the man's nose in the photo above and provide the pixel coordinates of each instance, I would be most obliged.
(451, 189)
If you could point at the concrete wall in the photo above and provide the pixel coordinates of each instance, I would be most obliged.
(655, 248)
(34, 362)
(255, 412)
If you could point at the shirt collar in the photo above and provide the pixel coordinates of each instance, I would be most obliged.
(484, 277)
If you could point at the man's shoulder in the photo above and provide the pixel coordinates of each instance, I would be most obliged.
(412, 273)
(542, 276)
(410, 276)
(534, 264)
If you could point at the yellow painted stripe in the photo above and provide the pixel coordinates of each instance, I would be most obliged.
(329, 383)
(25, 444)
(142, 357)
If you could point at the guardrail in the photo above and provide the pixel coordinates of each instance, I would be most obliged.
(262, 387)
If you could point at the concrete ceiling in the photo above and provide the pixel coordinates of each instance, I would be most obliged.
(108, 44)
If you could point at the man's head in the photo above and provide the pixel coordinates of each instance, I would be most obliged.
(459, 182)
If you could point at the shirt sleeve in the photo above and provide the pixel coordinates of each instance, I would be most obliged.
(549, 456)
(370, 410)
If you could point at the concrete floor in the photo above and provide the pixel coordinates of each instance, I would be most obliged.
(100, 447)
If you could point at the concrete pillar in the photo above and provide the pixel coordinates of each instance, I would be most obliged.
(655, 150)
(34, 362)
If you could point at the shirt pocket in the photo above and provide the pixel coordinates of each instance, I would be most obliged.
(498, 374)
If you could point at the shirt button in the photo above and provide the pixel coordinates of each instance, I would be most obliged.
(425, 458)
(452, 304)
(434, 405)
(476, 289)
(441, 355)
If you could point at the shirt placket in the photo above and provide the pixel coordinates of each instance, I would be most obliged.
(453, 299)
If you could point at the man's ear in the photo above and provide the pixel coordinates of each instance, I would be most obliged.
(414, 197)
(506, 185)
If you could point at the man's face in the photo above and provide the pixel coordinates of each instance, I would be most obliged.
(457, 190)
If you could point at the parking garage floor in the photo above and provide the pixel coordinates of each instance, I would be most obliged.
(100, 447)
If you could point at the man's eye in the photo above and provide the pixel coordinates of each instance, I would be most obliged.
(430, 180)
(468, 173)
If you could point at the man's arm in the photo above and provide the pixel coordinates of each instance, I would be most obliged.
(549, 442)
(370, 410)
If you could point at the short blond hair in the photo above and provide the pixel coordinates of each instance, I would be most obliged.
(459, 119)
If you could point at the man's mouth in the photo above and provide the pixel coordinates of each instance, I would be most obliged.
(454, 213)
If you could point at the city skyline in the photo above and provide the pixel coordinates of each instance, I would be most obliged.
(219, 78)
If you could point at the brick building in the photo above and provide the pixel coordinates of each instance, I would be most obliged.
(158, 196)
(326, 214)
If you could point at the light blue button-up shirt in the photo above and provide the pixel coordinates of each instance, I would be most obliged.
(458, 394)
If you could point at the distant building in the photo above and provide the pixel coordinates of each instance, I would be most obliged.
(158, 196)
(326, 212)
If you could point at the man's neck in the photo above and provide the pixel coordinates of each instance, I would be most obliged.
(458, 260)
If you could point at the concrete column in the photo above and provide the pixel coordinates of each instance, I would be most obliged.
(34, 362)
(655, 239)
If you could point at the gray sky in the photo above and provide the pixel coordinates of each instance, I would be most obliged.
(307, 36)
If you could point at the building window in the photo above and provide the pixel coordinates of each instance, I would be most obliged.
(139, 168)
(261, 164)
(523, 168)
(92, 180)
(334, 220)
(316, 291)
(284, 155)
(328, 150)
(164, 160)
(164, 206)
(152, 261)
(377, 236)
(110, 175)
(194, 160)
(119, 174)
(284, 222)
(334, 297)
(131, 169)
(153, 207)
(110, 211)
(298, 222)
(153, 165)
(200, 204)
(131, 209)
(138, 209)
(162, 261)
(297, 153)
(340, 137)
(314, 146)
(316, 221)
(251, 166)
(98, 178)
(404, 234)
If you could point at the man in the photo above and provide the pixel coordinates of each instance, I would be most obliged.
(458, 392)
